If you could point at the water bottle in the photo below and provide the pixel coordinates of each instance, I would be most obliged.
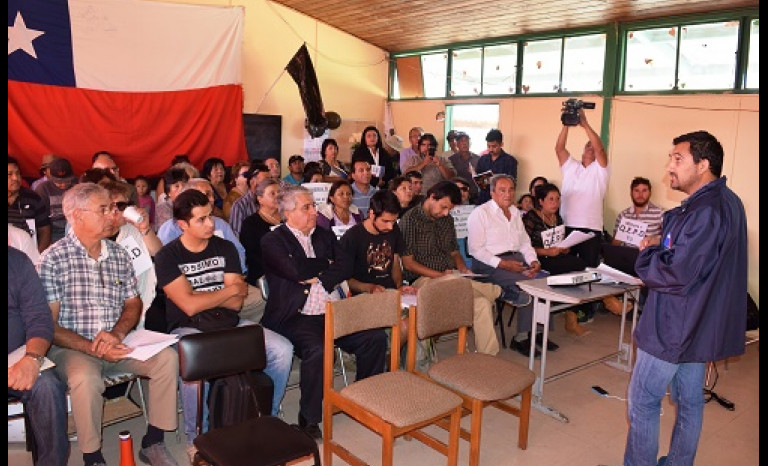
(126, 449)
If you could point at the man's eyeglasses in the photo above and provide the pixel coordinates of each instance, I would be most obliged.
(121, 206)
(106, 210)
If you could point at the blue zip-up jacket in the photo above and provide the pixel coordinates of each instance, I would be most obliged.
(697, 280)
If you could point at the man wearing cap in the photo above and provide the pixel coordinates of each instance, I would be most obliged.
(246, 205)
(296, 169)
(393, 144)
(45, 170)
(26, 209)
(52, 191)
(465, 163)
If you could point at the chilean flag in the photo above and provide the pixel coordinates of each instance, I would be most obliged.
(143, 80)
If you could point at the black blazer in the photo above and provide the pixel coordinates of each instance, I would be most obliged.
(286, 264)
(391, 166)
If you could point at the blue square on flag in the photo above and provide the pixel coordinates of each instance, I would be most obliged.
(40, 42)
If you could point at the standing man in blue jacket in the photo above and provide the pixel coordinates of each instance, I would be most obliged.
(696, 274)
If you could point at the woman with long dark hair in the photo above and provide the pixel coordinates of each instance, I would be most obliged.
(371, 150)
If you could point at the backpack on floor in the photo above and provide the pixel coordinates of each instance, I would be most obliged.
(236, 398)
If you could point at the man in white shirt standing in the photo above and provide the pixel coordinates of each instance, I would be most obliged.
(501, 249)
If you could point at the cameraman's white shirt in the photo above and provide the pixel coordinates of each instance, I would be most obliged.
(584, 188)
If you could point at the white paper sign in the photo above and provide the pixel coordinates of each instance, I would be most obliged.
(576, 237)
(553, 236)
(319, 191)
(460, 214)
(631, 231)
(140, 260)
(377, 170)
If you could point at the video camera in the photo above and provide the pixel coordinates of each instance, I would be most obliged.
(570, 115)
(432, 150)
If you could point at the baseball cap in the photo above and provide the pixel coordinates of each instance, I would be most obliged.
(394, 141)
(295, 158)
(61, 171)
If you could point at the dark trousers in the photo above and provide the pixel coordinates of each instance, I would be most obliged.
(307, 334)
(589, 250)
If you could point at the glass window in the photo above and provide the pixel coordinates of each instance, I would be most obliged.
(708, 56)
(499, 69)
(466, 72)
(476, 121)
(435, 72)
(651, 55)
(583, 63)
(541, 66)
(753, 63)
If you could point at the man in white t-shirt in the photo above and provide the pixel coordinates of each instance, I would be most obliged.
(583, 191)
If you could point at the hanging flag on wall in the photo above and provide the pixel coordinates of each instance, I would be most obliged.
(142, 80)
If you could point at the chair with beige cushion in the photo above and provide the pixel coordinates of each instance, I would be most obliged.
(446, 305)
(392, 404)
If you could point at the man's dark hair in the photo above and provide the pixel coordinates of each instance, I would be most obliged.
(100, 153)
(12, 159)
(186, 201)
(428, 137)
(447, 189)
(494, 135)
(704, 146)
(414, 174)
(94, 175)
(638, 180)
(178, 158)
(384, 201)
(172, 176)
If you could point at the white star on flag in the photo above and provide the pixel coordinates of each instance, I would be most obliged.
(20, 37)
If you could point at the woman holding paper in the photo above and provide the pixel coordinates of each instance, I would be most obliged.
(546, 228)
(339, 211)
(383, 166)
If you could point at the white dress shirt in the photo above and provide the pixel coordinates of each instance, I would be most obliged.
(491, 234)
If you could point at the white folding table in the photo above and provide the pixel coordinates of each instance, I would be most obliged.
(548, 299)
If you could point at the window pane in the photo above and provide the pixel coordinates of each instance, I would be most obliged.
(753, 66)
(500, 69)
(708, 56)
(476, 121)
(465, 71)
(583, 63)
(408, 81)
(435, 68)
(651, 57)
(541, 66)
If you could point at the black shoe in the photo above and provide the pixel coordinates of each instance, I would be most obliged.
(551, 345)
(524, 347)
(311, 429)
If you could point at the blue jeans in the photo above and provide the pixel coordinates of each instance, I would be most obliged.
(279, 358)
(46, 406)
(647, 389)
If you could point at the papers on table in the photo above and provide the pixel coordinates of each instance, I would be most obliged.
(16, 355)
(574, 238)
(146, 343)
(611, 275)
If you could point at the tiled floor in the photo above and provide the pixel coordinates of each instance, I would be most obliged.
(595, 434)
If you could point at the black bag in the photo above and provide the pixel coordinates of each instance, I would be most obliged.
(214, 319)
(236, 398)
(753, 314)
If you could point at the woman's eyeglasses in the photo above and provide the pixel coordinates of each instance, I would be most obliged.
(464, 188)
(121, 206)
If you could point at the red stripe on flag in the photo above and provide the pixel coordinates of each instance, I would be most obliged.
(143, 130)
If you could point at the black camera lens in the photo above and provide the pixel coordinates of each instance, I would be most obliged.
(432, 150)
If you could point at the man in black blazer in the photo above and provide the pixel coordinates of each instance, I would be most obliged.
(304, 267)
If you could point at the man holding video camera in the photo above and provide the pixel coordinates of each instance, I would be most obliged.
(435, 168)
(584, 183)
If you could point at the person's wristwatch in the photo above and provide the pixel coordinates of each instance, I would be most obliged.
(40, 359)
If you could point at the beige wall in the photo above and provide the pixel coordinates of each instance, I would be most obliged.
(352, 73)
(640, 132)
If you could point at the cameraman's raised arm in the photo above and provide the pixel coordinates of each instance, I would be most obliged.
(560, 150)
(594, 138)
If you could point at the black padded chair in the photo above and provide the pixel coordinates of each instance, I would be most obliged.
(261, 441)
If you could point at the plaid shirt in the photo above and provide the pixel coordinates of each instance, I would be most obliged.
(429, 241)
(241, 209)
(318, 297)
(91, 293)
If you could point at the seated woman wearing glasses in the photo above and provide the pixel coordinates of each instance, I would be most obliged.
(464, 188)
